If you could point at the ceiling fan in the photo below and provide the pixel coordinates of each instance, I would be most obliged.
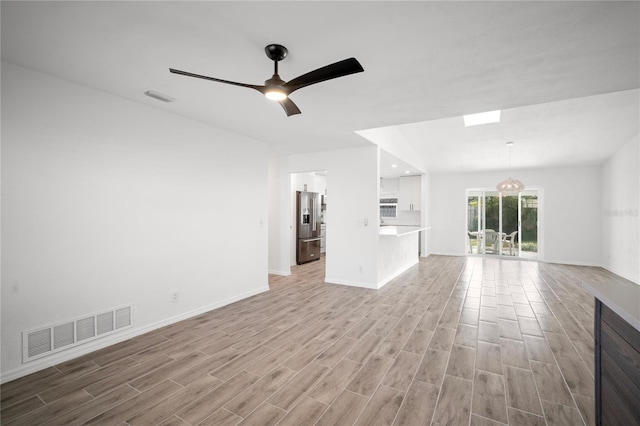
(278, 90)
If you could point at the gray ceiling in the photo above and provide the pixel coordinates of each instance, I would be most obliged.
(424, 62)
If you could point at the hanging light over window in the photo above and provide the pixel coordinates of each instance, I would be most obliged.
(510, 186)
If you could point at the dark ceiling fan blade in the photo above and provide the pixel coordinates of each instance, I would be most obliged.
(339, 69)
(289, 107)
(204, 77)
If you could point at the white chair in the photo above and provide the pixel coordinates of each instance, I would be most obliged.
(476, 236)
(490, 240)
(512, 242)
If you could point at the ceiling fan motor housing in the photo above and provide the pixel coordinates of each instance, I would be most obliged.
(275, 80)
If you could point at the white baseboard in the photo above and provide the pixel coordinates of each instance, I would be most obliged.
(282, 273)
(95, 345)
(572, 262)
(349, 283)
(448, 254)
(396, 274)
(620, 274)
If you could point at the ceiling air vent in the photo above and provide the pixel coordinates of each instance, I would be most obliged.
(48, 340)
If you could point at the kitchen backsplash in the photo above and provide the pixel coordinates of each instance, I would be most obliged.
(405, 217)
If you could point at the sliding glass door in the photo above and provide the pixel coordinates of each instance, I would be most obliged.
(510, 210)
(502, 225)
(529, 224)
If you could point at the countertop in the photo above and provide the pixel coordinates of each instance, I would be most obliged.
(398, 230)
(623, 298)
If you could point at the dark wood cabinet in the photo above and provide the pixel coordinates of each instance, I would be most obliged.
(617, 369)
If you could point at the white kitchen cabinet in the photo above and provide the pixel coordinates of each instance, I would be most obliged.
(320, 183)
(410, 193)
(389, 188)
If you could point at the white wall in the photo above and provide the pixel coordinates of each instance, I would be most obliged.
(106, 202)
(320, 183)
(570, 220)
(392, 140)
(352, 192)
(620, 212)
(426, 208)
(299, 180)
(279, 219)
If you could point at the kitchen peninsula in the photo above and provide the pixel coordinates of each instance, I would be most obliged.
(397, 230)
(397, 251)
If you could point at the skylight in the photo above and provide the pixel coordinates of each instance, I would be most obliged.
(481, 118)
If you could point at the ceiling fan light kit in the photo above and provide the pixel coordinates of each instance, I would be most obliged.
(277, 89)
(275, 95)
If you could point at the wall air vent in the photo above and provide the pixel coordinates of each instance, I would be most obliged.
(63, 335)
(85, 328)
(44, 341)
(39, 343)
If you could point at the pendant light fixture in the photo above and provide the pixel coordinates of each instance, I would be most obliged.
(510, 186)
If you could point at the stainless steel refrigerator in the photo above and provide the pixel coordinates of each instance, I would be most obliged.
(308, 221)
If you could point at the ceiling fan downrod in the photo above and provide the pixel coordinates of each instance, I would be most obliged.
(276, 52)
(274, 89)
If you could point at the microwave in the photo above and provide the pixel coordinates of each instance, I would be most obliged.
(388, 207)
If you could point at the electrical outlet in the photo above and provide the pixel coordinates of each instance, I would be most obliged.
(361, 269)
(175, 297)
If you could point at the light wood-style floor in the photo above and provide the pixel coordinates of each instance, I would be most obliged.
(453, 341)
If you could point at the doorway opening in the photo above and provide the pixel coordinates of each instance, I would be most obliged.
(502, 225)
(309, 213)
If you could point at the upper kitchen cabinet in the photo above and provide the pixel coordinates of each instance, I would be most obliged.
(410, 193)
(389, 188)
(320, 183)
(310, 182)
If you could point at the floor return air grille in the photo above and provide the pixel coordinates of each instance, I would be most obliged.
(45, 341)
